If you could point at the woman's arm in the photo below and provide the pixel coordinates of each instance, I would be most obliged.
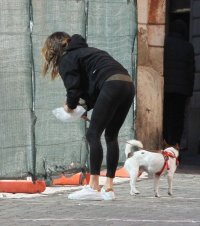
(71, 78)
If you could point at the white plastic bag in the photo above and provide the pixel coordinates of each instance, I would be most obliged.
(64, 116)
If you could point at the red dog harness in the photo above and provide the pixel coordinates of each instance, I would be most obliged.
(166, 155)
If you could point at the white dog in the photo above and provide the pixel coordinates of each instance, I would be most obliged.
(152, 163)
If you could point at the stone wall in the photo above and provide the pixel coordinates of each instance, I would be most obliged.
(149, 103)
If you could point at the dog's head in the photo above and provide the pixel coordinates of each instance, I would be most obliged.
(130, 145)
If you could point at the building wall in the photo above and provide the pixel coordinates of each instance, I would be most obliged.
(149, 112)
(194, 107)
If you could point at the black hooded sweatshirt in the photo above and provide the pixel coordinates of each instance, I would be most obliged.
(84, 70)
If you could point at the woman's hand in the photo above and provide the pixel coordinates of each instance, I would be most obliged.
(67, 109)
(84, 117)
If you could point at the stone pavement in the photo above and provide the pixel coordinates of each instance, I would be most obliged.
(183, 209)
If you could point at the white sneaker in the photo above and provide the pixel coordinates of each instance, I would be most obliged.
(107, 195)
(87, 193)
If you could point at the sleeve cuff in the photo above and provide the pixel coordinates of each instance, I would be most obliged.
(72, 103)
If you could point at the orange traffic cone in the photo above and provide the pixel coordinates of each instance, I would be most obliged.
(22, 186)
(121, 172)
(77, 179)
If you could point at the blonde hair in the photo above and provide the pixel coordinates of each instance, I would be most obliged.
(54, 47)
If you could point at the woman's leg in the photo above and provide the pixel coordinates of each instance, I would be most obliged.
(102, 114)
(111, 136)
(109, 113)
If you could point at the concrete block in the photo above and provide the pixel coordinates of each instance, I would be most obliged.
(195, 5)
(197, 64)
(156, 58)
(149, 108)
(194, 102)
(157, 11)
(197, 82)
(143, 9)
(195, 27)
(156, 35)
(142, 45)
(196, 44)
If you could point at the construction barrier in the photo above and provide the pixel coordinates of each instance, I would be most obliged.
(22, 186)
(121, 172)
(77, 179)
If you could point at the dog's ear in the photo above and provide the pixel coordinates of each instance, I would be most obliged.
(177, 147)
(130, 155)
(165, 144)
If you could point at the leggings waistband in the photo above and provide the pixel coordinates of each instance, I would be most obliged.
(119, 77)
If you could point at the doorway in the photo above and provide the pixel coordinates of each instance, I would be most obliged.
(175, 102)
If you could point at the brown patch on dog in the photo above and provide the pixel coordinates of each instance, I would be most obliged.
(130, 154)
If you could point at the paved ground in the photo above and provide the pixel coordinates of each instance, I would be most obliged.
(183, 209)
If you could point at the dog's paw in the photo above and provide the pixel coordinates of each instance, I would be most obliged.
(157, 195)
(135, 192)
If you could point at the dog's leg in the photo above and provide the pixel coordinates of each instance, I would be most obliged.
(156, 185)
(170, 176)
(132, 167)
(133, 178)
(169, 179)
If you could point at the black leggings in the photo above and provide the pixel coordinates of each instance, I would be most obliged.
(109, 113)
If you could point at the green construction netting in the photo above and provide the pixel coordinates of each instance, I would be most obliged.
(48, 145)
(15, 90)
(112, 27)
(59, 146)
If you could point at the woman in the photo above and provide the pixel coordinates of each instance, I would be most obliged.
(105, 85)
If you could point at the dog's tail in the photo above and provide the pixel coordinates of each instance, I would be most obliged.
(130, 144)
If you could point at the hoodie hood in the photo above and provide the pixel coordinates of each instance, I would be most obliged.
(77, 41)
(179, 29)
